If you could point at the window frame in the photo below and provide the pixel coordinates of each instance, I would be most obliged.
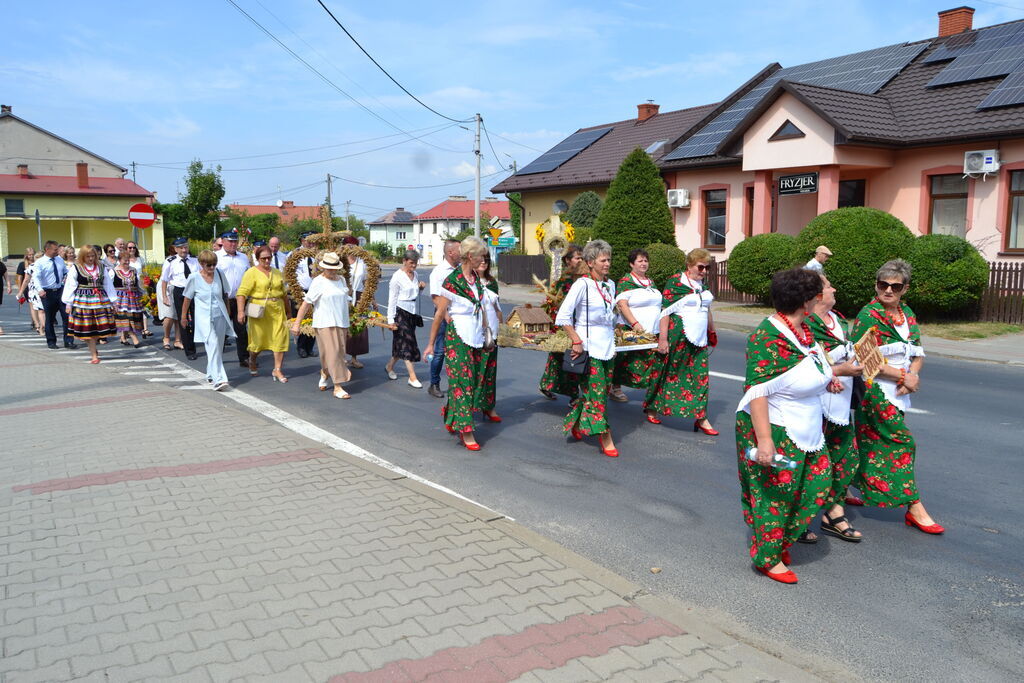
(8, 212)
(703, 220)
(1010, 195)
(924, 216)
(932, 197)
(400, 235)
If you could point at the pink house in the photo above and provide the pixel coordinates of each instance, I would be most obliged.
(931, 131)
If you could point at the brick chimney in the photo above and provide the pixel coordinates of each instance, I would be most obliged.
(5, 109)
(646, 110)
(23, 170)
(287, 204)
(956, 20)
(82, 169)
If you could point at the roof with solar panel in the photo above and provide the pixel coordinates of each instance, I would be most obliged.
(961, 87)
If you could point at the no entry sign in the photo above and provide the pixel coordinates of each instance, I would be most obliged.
(141, 216)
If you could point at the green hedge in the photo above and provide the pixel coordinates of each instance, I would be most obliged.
(949, 276)
(666, 260)
(753, 261)
(861, 240)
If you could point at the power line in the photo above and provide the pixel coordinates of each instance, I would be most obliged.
(312, 68)
(279, 191)
(385, 71)
(412, 187)
(516, 142)
(433, 129)
(497, 159)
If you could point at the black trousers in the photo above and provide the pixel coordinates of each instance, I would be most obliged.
(187, 330)
(303, 343)
(51, 307)
(241, 333)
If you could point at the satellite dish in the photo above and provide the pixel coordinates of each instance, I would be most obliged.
(560, 206)
(280, 203)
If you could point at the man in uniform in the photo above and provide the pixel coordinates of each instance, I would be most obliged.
(277, 257)
(303, 274)
(175, 272)
(233, 264)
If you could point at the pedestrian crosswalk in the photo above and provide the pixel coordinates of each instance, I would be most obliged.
(148, 362)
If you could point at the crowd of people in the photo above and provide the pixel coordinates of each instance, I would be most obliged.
(807, 427)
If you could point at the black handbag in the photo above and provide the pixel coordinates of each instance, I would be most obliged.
(581, 363)
(417, 319)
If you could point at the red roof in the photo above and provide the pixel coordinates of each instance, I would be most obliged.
(288, 212)
(61, 184)
(460, 209)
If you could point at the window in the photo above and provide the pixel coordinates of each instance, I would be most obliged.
(464, 225)
(1015, 230)
(948, 205)
(14, 207)
(400, 236)
(714, 218)
(433, 228)
(786, 131)
(851, 193)
(748, 225)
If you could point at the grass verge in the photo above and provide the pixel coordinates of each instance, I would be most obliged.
(960, 331)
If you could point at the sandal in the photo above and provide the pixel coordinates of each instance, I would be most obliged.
(807, 538)
(547, 394)
(829, 525)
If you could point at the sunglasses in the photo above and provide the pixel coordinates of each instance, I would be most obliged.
(701, 266)
(896, 287)
(110, 251)
(263, 258)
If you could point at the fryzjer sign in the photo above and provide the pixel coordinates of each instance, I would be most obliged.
(801, 183)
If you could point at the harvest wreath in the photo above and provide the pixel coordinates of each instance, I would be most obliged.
(362, 313)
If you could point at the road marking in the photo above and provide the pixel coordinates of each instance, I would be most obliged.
(151, 372)
(179, 378)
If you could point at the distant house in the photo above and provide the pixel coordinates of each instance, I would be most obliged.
(286, 210)
(451, 217)
(529, 321)
(393, 228)
(81, 197)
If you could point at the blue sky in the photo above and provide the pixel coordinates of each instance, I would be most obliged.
(164, 83)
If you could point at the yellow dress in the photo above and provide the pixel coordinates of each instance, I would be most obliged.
(268, 333)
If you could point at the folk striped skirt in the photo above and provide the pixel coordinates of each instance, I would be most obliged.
(92, 316)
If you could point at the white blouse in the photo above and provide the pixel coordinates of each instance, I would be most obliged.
(899, 355)
(106, 282)
(490, 312)
(467, 316)
(837, 406)
(693, 310)
(330, 300)
(403, 292)
(644, 303)
(588, 308)
(358, 273)
(794, 401)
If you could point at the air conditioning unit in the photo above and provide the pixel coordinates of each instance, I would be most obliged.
(981, 161)
(679, 199)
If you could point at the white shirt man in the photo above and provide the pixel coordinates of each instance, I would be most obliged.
(277, 257)
(437, 278)
(821, 255)
(233, 264)
(173, 276)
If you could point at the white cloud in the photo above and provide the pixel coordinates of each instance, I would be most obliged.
(464, 169)
(176, 127)
(721, 63)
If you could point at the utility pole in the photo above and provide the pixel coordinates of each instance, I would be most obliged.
(476, 199)
(133, 171)
(330, 206)
(348, 223)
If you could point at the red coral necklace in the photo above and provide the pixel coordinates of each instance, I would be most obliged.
(896, 320)
(806, 338)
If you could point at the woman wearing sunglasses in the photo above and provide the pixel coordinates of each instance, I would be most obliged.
(887, 447)
(679, 384)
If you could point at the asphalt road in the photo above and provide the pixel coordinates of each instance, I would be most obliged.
(899, 606)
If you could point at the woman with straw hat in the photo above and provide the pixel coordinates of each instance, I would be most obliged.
(329, 298)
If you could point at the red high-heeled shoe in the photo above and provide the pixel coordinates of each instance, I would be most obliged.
(577, 434)
(710, 431)
(854, 500)
(927, 528)
(492, 418)
(786, 559)
(610, 452)
(469, 446)
(782, 577)
(653, 420)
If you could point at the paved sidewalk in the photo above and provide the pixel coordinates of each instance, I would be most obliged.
(151, 533)
(1007, 349)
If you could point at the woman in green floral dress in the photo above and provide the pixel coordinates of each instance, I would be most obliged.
(462, 300)
(555, 380)
(639, 304)
(489, 355)
(831, 331)
(679, 385)
(780, 414)
(587, 315)
(887, 448)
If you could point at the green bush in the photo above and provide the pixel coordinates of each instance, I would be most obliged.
(584, 210)
(382, 249)
(666, 261)
(949, 275)
(753, 261)
(861, 240)
(635, 212)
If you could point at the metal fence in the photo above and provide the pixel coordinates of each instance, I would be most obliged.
(718, 283)
(1003, 299)
(519, 269)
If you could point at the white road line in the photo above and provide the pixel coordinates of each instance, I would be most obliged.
(151, 372)
(179, 378)
(132, 360)
(196, 387)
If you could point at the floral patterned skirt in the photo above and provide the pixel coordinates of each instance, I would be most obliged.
(464, 366)
(558, 381)
(588, 413)
(841, 441)
(489, 379)
(635, 368)
(778, 504)
(679, 385)
(887, 451)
